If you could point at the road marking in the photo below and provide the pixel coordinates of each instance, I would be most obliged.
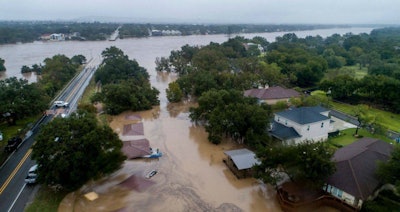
(20, 191)
(3, 187)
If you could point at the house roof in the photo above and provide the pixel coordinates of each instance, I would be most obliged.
(356, 165)
(136, 148)
(283, 132)
(275, 92)
(243, 158)
(304, 115)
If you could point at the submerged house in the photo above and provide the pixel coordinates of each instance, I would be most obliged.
(272, 95)
(241, 162)
(354, 180)
(301, 124)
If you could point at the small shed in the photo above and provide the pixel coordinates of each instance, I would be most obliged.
(241, 161)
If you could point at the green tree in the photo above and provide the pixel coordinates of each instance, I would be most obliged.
(308, 163)
(71, 151)
(78, 59)
(2, 67)
(389, 172)
(174, 92)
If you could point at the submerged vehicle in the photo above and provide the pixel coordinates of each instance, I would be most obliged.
(151, 174)
(154, 154)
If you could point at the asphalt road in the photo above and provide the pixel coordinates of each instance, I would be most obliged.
(14, 193)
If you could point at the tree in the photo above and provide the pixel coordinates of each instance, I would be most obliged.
(2, 67)
(228, 113)
(78, 59)
(174, 92)
(389, 171)
(71, 151)
(308, 163)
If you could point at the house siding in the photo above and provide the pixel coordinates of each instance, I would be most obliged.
(314, 133)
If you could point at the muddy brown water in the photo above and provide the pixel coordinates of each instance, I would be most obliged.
(191, 175)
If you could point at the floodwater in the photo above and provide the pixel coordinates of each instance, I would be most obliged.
(191, 175)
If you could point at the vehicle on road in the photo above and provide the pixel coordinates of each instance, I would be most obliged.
(1, 136)
(32, 175)
(13, 144)
(61, 104)
(151, 174)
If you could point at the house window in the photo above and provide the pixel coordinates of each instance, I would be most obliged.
(308, 128)
(322, 124)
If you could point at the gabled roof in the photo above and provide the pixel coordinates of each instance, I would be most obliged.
(356, 165)
(243, 158)
(276, 92)
(283, 132)
(304, 115)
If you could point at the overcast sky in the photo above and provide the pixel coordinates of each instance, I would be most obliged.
(209, 11)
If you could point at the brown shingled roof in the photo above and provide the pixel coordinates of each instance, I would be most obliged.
(276, 92)
(356, 165)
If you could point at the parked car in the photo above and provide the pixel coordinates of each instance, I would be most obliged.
(61, 104)
(1, 136)
(13, 144)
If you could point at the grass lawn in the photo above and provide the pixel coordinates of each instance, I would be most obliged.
(386, 119)
(20, 129)
(353, 71)
(46, 200)
(346, 137)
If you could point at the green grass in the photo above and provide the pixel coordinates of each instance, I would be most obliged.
(386, 119)
(19, 129)
(89, 91)
(346, 137)
(354, 71)
(46, 200)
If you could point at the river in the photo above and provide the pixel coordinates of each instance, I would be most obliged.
(191, 175)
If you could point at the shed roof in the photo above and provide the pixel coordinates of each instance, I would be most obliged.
(243, 158)
(356, 165)
(304, 115)
(136, 148)
(276, 92)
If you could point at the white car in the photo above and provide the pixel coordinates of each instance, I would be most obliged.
(61, 104)
(1, 136)
(32, 175)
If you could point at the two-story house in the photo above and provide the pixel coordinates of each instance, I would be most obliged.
(297, 125)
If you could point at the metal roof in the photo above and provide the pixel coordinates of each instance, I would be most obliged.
(304, 115)
(243, 158)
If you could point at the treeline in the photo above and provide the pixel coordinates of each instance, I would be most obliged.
(20, 99)
(17, 31)
(125, 84)
(13, 32)
(295, 62)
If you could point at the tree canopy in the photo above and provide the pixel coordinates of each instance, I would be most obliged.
(70, 151)
(126, 85)
(308, 163)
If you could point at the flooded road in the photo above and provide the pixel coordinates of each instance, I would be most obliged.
(191, 175)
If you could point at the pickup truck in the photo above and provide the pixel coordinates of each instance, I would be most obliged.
(61, 104)
(12, 144)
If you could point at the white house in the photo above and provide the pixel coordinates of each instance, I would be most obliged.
(297, 125)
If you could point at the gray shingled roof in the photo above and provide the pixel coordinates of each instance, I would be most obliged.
(276, 92)
(304, 115)
(243, 158)
(283, 132)
(356, 165)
